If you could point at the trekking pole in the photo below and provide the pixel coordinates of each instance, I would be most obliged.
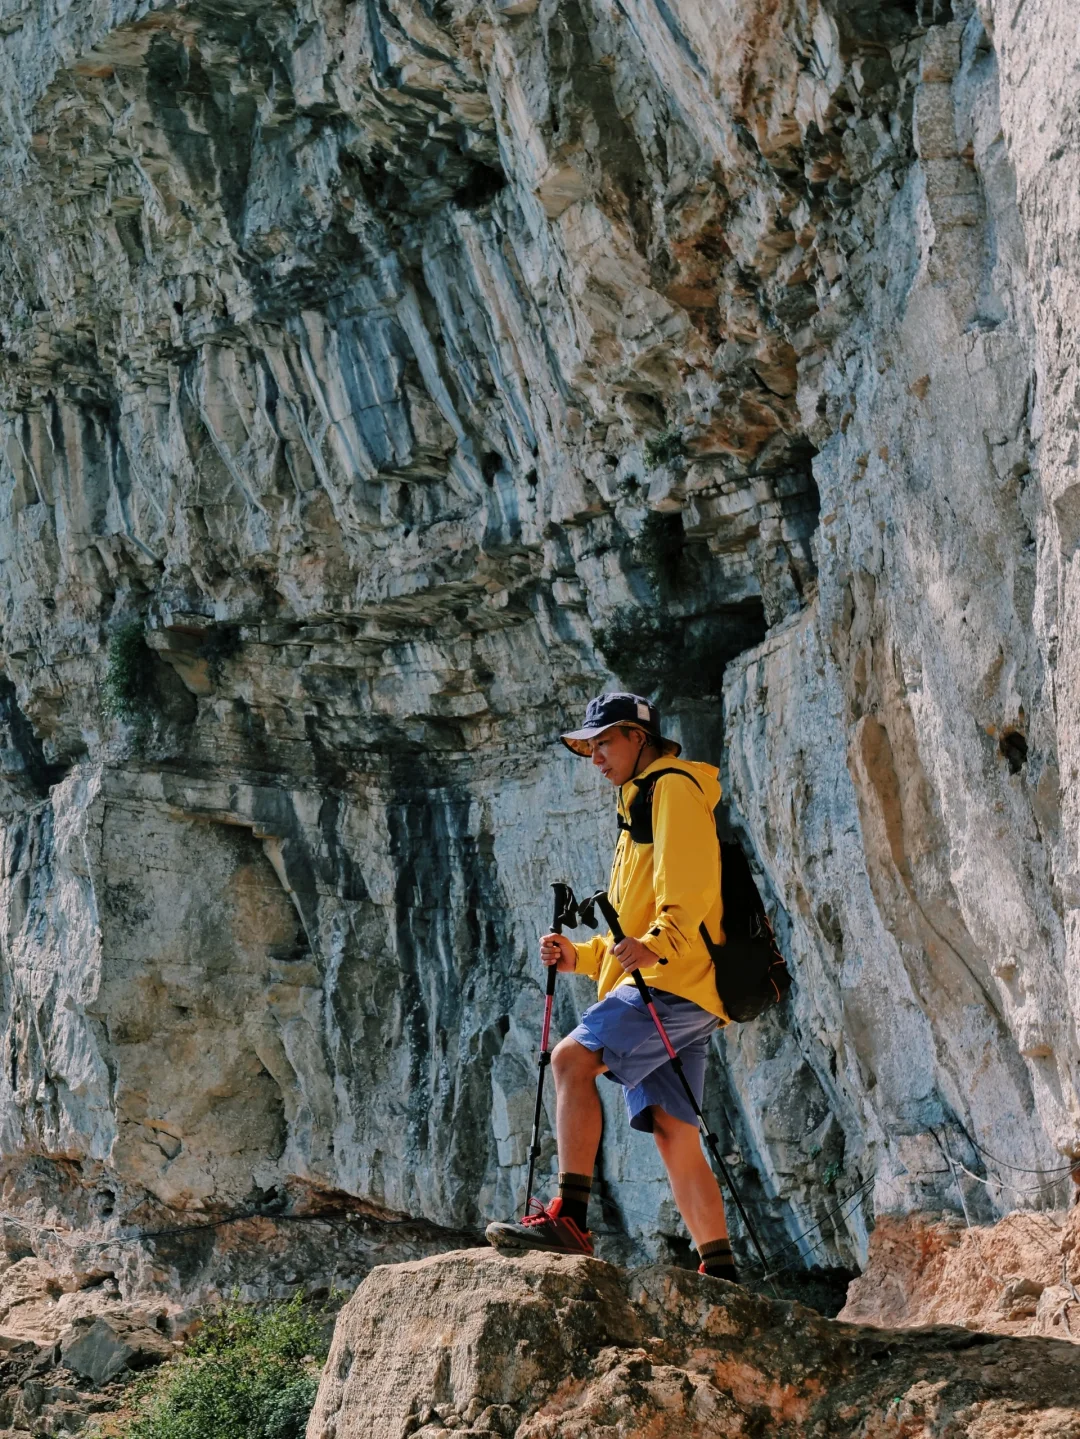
(607, 909)
(564, 908)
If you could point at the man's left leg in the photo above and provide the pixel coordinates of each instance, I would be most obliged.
(696, 1191)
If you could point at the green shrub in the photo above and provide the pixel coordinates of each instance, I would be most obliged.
(659, 548)
(661, 449)
(643, 648)
(664, 655)
(249, 1374)
(128, 674)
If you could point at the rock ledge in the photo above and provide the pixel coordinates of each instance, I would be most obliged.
(548, 1348)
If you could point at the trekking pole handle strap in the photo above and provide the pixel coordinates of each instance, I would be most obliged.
(611, 915)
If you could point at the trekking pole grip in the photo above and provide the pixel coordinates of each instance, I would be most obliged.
(564, 904)
(608, 910)
(611, 915)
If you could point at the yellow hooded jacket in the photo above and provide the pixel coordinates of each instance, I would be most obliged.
(664, 890)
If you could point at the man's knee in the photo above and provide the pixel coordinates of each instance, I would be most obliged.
(571, 1061)
(673, 1134)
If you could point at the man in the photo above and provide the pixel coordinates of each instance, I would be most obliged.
(664, 890)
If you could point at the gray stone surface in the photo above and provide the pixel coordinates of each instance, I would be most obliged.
(101, 1349)
(377, 383)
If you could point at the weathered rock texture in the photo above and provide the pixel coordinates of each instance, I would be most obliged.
(377, 382)
(552, 1348)
(1015, 1277)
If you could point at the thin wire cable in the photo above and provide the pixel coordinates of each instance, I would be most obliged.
(1034, 1214)
(943, 1143)
(1019, 1168)
(794, 1263)
(855, 1194)
(793, 1243)
(1004, 1183)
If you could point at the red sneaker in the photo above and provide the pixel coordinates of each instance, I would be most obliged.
(544, 1229)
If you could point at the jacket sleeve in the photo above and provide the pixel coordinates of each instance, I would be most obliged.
(686, 867)
(590, 955)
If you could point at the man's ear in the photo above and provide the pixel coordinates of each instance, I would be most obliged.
(642, 747)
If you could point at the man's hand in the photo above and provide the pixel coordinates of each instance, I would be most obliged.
(632, 954)
(556, 949)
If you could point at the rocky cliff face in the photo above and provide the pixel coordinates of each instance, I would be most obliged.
(378, 381)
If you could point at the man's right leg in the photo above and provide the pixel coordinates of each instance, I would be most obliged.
(578, 1123)
(696, 1192)
(578, 1116)
(562, 1225)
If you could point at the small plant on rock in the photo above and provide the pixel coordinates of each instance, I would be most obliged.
(250, 1373)
(663, 448)
(659, 548)
(220, 645)
(128, 674)
(666, 655)
(643, 647)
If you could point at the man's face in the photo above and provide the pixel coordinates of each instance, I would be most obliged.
(616, 753)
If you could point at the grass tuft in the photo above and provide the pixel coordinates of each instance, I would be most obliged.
(248, 1374)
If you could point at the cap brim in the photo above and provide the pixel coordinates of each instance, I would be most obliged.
(577, 741)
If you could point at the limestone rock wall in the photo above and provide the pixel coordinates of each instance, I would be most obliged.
(378, 382)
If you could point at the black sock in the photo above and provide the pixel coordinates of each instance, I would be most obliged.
(717, 1259)
(574, 1191)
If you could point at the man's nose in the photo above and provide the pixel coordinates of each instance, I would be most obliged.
(596, 757)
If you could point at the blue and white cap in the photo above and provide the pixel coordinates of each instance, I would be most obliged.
(618, 709)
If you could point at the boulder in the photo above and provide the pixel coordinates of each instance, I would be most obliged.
(546, 1347)
(100, 1350)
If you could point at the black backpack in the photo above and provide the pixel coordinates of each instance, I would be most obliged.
(751, 974)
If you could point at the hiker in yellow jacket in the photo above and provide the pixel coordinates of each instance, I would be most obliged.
(664, 891)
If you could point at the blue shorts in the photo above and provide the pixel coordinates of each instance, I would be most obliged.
(634, 1053)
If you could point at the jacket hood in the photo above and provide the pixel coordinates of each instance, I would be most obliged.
(706, 775)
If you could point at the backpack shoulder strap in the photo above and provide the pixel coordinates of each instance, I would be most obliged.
(640, 807)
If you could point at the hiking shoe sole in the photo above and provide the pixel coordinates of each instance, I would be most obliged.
(524, 1241)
